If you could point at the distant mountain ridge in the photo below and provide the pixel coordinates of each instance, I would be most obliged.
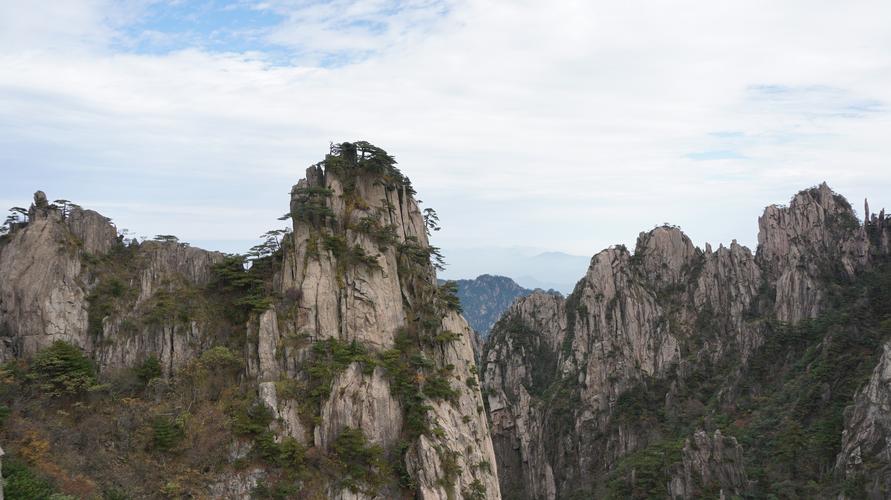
(530, 268)
(486, 297)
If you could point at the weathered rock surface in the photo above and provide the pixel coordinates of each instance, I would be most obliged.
(866, 439)
(238, 486)
(710, 463)
(817, 235)
(362, 303)
(42, 289)
(360, 401)
(95, 232)
(666, 256)
(47, 277)
(727, 288)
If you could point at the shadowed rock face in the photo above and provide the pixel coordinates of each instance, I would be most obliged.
(649, 319)
(866, 447)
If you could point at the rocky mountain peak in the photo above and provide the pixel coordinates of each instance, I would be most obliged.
(356, 224)
(665, 255)
(360, 271)
(817, 223)
(815, 237)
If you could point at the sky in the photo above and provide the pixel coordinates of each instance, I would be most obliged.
(558, 126)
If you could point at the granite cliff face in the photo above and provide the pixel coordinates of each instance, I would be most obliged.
(52, 269)
(335, 365)
(710, 462)
(866, 448)
(582, 391)
(357, 264)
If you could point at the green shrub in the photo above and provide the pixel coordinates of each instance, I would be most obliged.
(438, 386)
(384, 236)
(311, 206)
(244, 289)
(219, 358)
(251, 418)
(62, 369)
(360, 463)
(4, 414)
(282, 490)
(476, 491)
(102, 300)
(447, 295)
(330, 357)
(20, 482)
(148, 370)
(645, 473)
(167, 433)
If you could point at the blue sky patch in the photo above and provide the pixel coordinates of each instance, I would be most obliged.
(210, 25)
(265, 28)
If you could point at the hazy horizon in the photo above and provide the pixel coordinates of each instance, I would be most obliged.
(530, 266)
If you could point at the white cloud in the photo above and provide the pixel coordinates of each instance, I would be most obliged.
(565, 125)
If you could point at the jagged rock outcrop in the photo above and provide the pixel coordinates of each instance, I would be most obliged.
(726, 297)
(647, 325)
(710, 463)
(866, 440)
(53, 268)
(607, 336)
(817, 235)
(364, 303)
(95, 233)
(666, 256)
(42, 291)
(617, 334)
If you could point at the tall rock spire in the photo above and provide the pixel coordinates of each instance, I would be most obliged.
(358, 264)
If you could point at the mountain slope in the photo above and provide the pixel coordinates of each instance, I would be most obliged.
(676, 371)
